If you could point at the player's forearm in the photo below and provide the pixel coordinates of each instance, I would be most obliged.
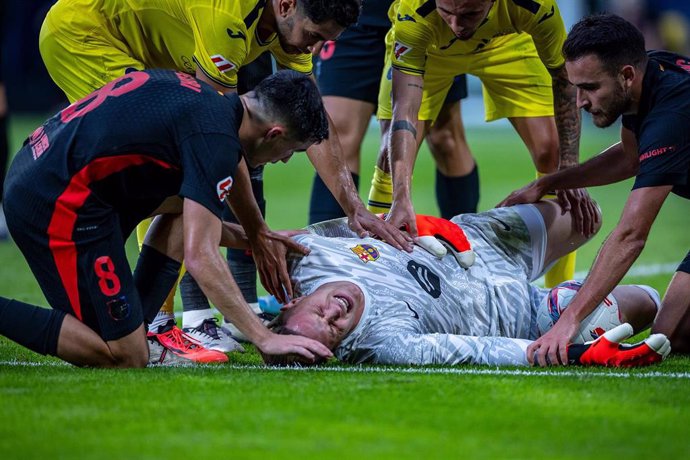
(243, 204)
(450, 349)
(327, 158)
(567, 115)
(211, 272)
(233, 236)
(605, 168)
(402, 157)
(402, 150)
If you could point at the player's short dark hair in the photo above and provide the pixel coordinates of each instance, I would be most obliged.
(612, 39)
(343, 12)
(293, 99)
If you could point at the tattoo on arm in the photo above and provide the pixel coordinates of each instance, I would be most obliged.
(567, 118)
(404, 125)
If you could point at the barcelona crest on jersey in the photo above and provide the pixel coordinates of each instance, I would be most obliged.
(366, 252)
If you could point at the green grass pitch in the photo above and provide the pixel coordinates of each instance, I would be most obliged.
(240, 410)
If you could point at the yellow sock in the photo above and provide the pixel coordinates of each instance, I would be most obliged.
(142, 228)
(564, 268)
(381, 192)
(169, 304)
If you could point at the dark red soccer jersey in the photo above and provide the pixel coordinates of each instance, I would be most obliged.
(128, 146)
(661, 124)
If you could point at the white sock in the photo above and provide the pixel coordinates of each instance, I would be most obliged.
(161, 319)
(653, 293)
(194, 318)
(255, 308)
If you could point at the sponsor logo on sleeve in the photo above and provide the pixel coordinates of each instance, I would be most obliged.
(327, 50)
(222, 64)
(223, 188)
(683, 64)
(39, 142)
(366, 252)
(400, 49)
(656, 152)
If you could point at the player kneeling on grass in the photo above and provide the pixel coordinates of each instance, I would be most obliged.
(371, 303)
(149, 143)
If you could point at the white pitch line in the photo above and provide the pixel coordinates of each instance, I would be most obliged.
(465, 371)
(642, 270)
(408, 370)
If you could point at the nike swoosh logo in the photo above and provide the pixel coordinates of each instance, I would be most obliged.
(505, 226)
(414, 313)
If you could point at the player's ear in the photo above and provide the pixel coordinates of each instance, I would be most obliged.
(291, 303)
(628, 73)
(274, 132)
(287, 7)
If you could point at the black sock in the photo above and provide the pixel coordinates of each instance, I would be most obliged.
(457, 195)
(36, 328)
(193, 297)
(154, 277)
(243, 269)
(323, 205)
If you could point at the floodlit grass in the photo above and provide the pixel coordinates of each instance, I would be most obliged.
(51, 410)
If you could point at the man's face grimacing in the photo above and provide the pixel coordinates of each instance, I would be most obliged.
(463, 16)
(297, 33)
(600, 93)
(328, 314)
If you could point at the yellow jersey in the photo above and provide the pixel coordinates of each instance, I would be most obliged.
(418, 32)
(216, 36)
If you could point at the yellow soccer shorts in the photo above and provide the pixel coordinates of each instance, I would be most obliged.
(79, 51)
(515, 82)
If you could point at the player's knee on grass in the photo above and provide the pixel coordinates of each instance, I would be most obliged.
(131, 353)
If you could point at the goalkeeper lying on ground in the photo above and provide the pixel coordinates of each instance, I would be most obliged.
(371, 303)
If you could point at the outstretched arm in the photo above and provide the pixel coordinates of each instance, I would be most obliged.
(450, 349)
(615, 258)
(327, 159)
(202, 234)
(616, 163)
(567, 118)
(268, 248)
(402, 147)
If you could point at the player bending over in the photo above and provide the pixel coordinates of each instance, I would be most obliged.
(368, 302)
(147, 143)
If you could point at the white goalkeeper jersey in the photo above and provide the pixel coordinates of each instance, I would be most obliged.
(421, 310)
